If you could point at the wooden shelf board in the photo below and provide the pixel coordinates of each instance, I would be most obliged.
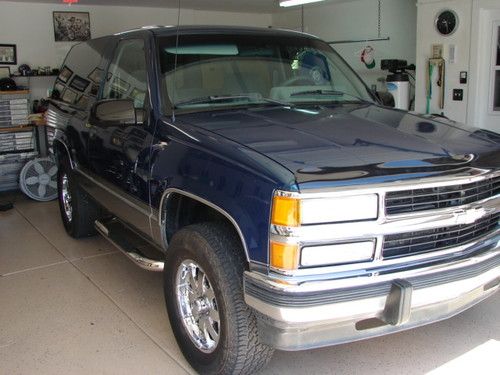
(17, 92)
(17, 128)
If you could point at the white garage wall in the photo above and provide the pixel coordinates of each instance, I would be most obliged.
(427, 36)
(358, 19)
(29, 25)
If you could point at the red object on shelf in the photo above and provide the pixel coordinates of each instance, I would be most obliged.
(70, 1)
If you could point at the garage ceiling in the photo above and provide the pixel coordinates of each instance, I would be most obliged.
(267, 6)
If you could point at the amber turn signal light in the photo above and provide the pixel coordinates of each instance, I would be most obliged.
(284, 256)
(285, 211)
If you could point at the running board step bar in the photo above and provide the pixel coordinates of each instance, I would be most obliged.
(140, 251)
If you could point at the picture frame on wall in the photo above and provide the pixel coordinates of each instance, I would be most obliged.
(78, 83)
(8, 54)
(65, 74)
(4, 72)
(69, 96)
(71, 26)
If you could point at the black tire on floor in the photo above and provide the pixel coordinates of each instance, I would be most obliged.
(84, 210)
(216, 249)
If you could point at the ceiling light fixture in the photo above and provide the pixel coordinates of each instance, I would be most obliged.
(292, 3)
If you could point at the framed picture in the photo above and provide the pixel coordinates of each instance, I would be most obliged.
(79, 83)
(58, 90)
(4, 72)
(69, 96)
(96, 75)
(8, 54)
(65, 74)
(83, 102)
(71, 26)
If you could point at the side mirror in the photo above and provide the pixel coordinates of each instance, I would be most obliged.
(117, 112)
(386, 98)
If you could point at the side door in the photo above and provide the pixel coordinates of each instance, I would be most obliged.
(121, 128)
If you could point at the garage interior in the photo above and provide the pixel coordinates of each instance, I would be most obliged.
(82, 307)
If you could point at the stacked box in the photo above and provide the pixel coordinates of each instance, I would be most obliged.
(10, 168)
(14, 109)
(17, 141)
(17, 144)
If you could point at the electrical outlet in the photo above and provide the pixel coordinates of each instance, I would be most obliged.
(458, 95)
(463, 78)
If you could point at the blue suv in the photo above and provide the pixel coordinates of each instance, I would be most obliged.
(286, 206)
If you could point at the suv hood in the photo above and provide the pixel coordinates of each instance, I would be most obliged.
(349, 142)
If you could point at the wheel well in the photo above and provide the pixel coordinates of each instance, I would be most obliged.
(181, 211)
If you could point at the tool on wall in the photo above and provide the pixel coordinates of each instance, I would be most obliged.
(438, 65)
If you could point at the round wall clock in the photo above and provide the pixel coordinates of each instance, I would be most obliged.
(447, 22)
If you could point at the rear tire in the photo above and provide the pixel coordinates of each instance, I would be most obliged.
(214, 251)
(78, 210)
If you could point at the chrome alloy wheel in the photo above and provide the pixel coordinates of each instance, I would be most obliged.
(66, 198)
(198, 306)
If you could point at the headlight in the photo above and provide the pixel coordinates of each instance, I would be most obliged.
(331, 210)
(293, 212)
(330, 255)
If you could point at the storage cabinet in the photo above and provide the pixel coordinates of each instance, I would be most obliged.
(18, 141)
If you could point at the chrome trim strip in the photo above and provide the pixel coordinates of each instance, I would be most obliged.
(161, 220)
(130, 201)
(71, 162)
(287, 284)
(466, 176)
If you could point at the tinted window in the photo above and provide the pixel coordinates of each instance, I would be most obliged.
(127, 74)
(81, 74)
(206, 71)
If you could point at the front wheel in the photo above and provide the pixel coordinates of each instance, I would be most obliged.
(215, 329)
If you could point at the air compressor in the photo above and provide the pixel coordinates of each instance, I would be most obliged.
(398, 82)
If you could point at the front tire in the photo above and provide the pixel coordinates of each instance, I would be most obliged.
(215, 329)
(78, 210)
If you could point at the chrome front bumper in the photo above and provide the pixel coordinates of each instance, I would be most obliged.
(334, 311)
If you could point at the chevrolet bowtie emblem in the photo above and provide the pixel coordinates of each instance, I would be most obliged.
(470, 216)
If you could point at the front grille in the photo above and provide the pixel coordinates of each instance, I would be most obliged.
(408, 201)
(404, 244)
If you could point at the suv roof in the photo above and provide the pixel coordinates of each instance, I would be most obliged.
(195, 29)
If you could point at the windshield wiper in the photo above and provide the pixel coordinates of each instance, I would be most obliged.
(323, 92)
(254, 99)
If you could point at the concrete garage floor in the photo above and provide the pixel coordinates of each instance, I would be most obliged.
(81, 307)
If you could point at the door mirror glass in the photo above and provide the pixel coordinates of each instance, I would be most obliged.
(117, 112)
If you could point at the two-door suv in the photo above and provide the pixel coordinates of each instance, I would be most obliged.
(286, 206)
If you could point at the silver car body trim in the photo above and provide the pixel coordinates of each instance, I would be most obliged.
(160, 214)
(290, 327)
(137, 214)
(70, 158)
(334, 233)
(464, 176)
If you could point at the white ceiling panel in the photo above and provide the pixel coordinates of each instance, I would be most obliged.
(265, 6)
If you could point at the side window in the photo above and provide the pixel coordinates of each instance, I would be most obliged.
(127, 74)
(80, 76)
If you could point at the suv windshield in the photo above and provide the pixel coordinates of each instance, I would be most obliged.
(243, 70)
